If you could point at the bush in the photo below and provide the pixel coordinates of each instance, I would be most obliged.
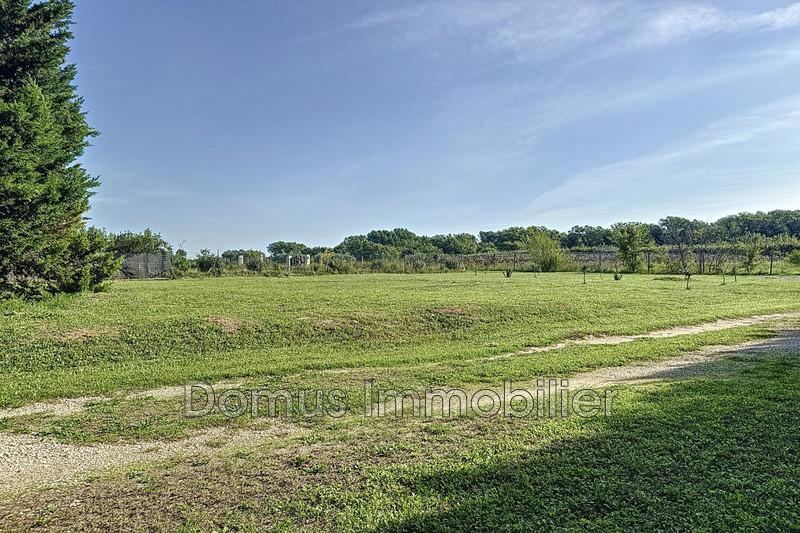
(180, 261)
(546, 253)
(206, 261)
(146, 242)
(90, 264)
(341, 263)
(794, 258)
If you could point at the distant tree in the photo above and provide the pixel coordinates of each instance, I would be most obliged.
(720, 257)
(751, 246)
(459, 243)
(679, 234)
(630, 238)
(231, 256)
(398, 238)
(284, 247)
(207, 262)
(252, 259)
(317, 250)
(794, 258)
(504, 240)
(587, 237)
(404, 241)
(146, 242)
(772, 247)
(734, 227)
(44, 193)
(487, 247)
(545, 252)
(180, 261)
(362, 249)
(511, 239)
(353, 245)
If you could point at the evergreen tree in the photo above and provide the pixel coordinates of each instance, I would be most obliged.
(44, 193)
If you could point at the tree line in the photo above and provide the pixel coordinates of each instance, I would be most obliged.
(678, 244)
(776, 232)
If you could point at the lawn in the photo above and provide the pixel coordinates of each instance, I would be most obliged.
(697, 454)
(146, 334)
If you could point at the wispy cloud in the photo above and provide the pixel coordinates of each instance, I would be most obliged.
(739, 162)
(695, 21)
(536, 31)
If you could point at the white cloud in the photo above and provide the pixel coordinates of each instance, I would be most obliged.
(745, 161)
(541, 30)
(697, 21)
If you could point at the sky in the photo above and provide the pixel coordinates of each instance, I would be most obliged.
(228, 125)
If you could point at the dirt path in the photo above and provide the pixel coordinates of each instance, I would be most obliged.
(29, 461)
(713, 361)
(725, 323)
(69, 406)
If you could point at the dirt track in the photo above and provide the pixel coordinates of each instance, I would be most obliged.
(30, 461)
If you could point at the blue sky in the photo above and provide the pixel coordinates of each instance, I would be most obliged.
(236, 124)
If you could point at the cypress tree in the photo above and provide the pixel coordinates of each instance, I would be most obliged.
(44, 245)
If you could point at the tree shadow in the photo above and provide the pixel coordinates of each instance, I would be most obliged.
(699, 455)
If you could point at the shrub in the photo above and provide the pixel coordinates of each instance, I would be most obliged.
(180, 261)
(545, 252)
(206, 261)
(90, 264)
(341, 263)
(146, 242)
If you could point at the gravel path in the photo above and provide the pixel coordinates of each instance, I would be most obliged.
(712, 361)
(725, 323)
(29, 461)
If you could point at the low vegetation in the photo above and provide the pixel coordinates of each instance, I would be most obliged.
(283, 325)
(704, 453)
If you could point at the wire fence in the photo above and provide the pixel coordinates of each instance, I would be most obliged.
(145, 266)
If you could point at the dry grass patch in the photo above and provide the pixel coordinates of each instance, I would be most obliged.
(76, 335)
(228, 324)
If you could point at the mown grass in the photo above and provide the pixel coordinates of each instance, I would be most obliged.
(703, 454)
(148, 418)
(698, 455)
(146, 334)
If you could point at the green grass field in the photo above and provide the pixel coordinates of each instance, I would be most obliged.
(145, 334)
(699, 454)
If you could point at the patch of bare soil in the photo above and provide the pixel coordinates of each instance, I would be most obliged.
(249, 478)
(335, 323)
(74, 335)
(713, 361)
(29, 461)
(63, 407)
(71, 406)
(171, 391)
(719, 325)
(228, 324)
